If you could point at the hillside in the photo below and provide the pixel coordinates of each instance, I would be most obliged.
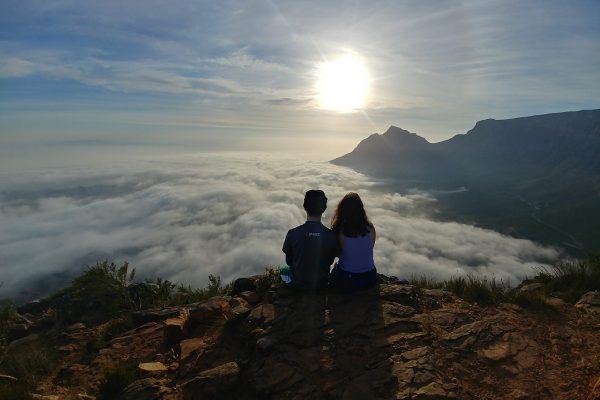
(536, 177)
(262, 341)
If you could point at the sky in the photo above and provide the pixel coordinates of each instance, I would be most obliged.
(183, 218)
(243, 75)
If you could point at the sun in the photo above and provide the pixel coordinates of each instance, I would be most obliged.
(343, 84)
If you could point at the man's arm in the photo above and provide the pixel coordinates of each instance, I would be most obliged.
(287, 249)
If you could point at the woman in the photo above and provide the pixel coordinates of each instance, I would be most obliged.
(356, 235)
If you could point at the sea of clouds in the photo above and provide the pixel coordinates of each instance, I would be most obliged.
(188, 217)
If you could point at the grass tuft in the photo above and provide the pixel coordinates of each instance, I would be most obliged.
(571, 279)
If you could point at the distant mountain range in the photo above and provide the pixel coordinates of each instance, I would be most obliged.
(536, 177)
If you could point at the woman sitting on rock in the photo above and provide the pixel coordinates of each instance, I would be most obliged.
(356, 235)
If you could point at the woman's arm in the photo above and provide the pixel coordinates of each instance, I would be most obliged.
(373, 234)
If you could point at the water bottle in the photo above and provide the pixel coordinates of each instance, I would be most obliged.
(285, 274)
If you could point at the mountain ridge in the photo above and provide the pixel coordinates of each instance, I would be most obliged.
(551, 161)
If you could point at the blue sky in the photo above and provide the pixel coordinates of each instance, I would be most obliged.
(241, 74)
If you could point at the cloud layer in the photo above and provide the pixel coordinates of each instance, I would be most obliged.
(227, 215)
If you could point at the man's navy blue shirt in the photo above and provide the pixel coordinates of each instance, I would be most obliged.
(309, 251)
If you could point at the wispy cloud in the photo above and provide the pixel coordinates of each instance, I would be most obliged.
(460, 61)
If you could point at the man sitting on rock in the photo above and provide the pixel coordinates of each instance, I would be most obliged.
(311, 247)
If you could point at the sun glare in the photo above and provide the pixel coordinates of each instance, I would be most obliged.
(343, 84)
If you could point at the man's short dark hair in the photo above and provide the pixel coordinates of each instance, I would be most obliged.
(315, 202)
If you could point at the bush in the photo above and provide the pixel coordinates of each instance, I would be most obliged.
(187, 294)
(117, 379)
(7, 317)
(269, 277)
(28, 362)
(97, 295)
(15, 391)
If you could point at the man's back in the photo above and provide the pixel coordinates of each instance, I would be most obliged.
(309, 251)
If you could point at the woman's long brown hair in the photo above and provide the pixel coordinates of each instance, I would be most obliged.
(350, 217)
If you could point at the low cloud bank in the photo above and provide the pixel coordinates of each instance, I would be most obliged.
(225, 215)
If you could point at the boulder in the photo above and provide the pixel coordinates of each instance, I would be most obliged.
(215, 383)
(155, 315)
(250, 297)
(530, 288)
(174, 328)
(211, 308)
(402, 294)
(264, 313)
(189, 346)
(241, 285)
(17, 331)
(22, 341)
(590, 302)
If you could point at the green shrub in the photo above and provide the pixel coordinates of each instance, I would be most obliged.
(479, 290)
(425, 282)
(97, 295)
(269, 277)
(187, 294)
(571, 279)
(117, 379)
(7, 317)
(30, 361)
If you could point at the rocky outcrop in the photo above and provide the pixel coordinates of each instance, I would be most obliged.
(392, 341)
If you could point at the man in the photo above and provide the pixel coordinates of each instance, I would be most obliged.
(311, 247)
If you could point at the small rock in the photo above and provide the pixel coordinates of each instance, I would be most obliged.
(518, 394)
(595, 393)
(497, 351)
(152, 367)
(432, 391)
(68, 348)
(75, 327)
(413, 354)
